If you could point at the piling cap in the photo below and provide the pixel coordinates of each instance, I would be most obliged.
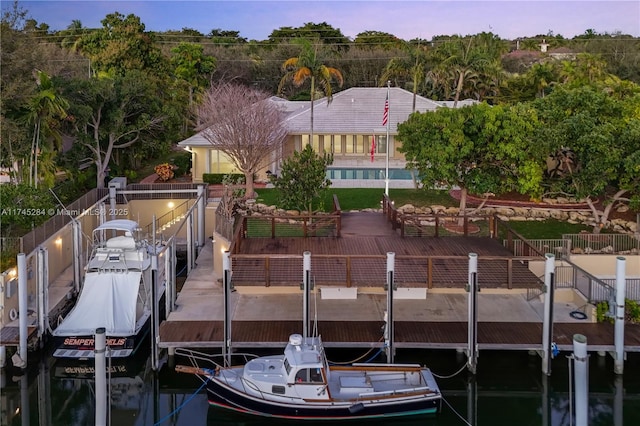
(580, 338)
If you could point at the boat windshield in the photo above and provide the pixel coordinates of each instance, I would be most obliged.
(287, 366)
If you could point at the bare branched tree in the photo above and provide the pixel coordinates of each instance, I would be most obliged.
(245, 124)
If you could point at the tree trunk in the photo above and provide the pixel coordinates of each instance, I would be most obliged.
(249, 190)
(458, 89)
(463, 205)
(313, 89)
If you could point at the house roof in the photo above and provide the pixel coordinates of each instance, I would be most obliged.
(357, 110)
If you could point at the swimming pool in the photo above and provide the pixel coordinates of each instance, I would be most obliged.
(343, 173)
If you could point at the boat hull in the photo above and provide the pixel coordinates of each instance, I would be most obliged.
(83, 347)
(225, 397)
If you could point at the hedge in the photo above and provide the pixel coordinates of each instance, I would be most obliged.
(217, 178)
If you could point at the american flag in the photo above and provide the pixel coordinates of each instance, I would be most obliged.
(385, 115)
(373, 147)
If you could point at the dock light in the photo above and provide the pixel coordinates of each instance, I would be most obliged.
(58, 241)
(171, 204)
(12, 272)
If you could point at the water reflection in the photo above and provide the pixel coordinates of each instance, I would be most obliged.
(509, 389)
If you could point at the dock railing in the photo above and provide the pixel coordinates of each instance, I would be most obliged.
(592, 288)
(588, 243)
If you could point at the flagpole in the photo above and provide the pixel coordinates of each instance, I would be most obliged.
(386, 173)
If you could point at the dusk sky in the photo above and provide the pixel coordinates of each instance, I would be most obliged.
(405, 19)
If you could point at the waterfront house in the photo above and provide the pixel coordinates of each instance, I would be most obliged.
(350, 127)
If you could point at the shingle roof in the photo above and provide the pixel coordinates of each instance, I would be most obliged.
(357, 110)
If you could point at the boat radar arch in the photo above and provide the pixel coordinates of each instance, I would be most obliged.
(295, 339)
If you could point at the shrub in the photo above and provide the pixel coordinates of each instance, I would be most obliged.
(164, 171)
(182, 163)
(219, 178)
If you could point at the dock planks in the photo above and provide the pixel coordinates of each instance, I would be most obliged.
(408, 334)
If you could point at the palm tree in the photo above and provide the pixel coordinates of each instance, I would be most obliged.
(307, 66)
(43, 109)
(464, 59)
(412, 67)
(542, 75)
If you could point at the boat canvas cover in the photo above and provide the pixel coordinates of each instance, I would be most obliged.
(107, 300)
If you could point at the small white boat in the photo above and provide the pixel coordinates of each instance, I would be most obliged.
(116, 294)
(301, 384)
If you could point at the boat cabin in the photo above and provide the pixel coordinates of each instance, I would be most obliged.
(301, 372)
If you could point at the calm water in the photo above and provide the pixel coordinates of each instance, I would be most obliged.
(508, 390)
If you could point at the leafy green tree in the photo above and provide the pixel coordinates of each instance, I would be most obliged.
(480, 148)
(226, 37)
(377, 39)
(308, 66)
(122, 44)
(602, 129)
(112, 114)
(192, 66)
(311, 31)
(303, 179)
(23, 207)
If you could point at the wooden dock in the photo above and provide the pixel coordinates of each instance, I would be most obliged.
(262, 317)
(408, 334)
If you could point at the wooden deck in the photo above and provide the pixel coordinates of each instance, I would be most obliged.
(408, 334)
(419, 262)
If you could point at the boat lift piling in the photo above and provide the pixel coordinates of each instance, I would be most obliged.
(43, 293)
(547, 324)
(306, 287)
(101, 376)
(581, 379)
(201, 208)
(472, 289)
(618, 401)
(226, 300)
(78, 264)
(20, 359)
(389, 332)
(618, 336)
(155, 321)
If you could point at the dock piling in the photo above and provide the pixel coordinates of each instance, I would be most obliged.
(21, 360)
(581, 381)
(618, 336)
(389, 343)
(226, 300)
(472, 338)
(101, 376)
(547, 320)
(306, 286)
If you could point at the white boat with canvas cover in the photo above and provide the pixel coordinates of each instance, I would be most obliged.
(116, 294)
(302, 385)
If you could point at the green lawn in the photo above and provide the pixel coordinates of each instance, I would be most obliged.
(363, 198)
(368, 198)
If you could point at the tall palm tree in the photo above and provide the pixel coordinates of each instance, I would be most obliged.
(413, 66)
(43, 109)
(464, 59)
(307, 66)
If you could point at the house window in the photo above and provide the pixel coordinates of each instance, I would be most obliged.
(349, 146)
(381, 144)
(315, 145)
(360, 144)
(336, 143)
